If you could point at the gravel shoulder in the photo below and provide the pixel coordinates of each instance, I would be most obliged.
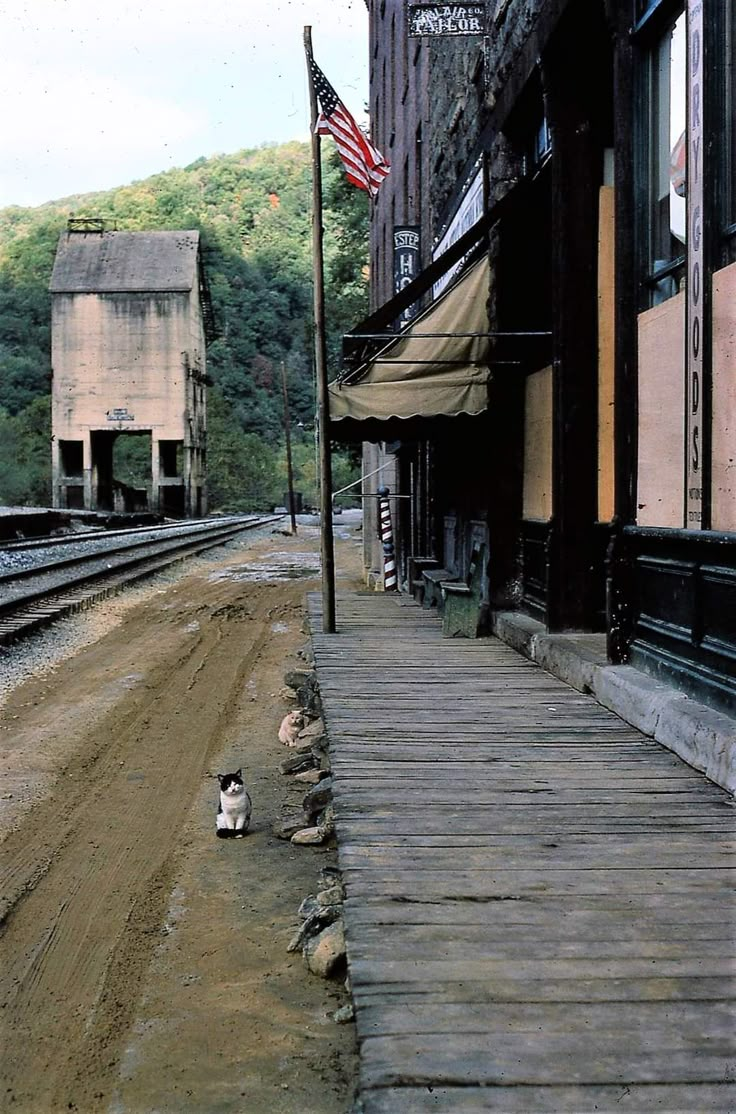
(143, 962)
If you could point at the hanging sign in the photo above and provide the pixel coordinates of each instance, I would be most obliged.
(469, 211)
(446, 19)
(406, 263)
(695, 278)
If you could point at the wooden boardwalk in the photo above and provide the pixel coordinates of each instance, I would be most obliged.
(540, 913)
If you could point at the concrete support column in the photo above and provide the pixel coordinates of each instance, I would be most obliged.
(55, 474)
(154, 501)
(87, 459)
(189, 471)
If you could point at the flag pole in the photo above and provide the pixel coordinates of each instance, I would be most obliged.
(287, 437)
(320, 355)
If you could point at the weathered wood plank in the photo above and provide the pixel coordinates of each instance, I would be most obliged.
(365, 836)
(521, 1058)
(667, 911)
(365, 750)
(650, 1022)
(499, 883)
(672, 990)
(621, 1098)
(550, 780)
(535, 809)
(469, 925)
(356, 764)
(423, 944)
(556, 968)
(384, 794)
(480, 856)
(485, 824)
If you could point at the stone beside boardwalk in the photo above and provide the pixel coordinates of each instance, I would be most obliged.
(541, 910)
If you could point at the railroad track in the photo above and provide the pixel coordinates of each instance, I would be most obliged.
(63, 581)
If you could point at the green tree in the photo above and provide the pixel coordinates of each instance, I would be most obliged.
(25, 455)
(242, 466)
(252, 209)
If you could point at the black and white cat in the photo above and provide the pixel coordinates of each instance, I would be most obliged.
(233, 815)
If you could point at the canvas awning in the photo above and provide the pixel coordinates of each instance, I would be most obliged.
(437, 367)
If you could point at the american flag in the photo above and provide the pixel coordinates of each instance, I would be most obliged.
(365, 166)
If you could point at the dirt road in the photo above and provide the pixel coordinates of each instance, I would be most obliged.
(143, 962)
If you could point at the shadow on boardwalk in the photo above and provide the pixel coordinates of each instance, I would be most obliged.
(540, 911)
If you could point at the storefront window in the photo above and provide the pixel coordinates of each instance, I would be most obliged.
(539, 148)
(667, 163)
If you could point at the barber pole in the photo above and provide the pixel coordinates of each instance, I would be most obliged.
(387, 540)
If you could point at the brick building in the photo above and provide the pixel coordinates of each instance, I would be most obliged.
(600, 475)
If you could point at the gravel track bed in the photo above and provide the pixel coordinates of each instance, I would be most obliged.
(42, 652)
(13, 561)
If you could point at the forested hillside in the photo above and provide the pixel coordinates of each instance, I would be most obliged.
(252, 209)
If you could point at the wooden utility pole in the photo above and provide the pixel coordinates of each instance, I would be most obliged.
(320, 357)
(287, 436)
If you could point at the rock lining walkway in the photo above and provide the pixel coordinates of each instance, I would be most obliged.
(540, 910)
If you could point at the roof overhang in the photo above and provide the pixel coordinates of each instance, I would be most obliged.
(438, 367)
(403, 383)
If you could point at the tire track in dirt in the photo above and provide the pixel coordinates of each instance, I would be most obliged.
(24, 862)
(88, 874)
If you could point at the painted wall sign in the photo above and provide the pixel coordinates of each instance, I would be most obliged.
(406, 263)
(446, 19)
(467, 213)
(695, 273)
(120, 414)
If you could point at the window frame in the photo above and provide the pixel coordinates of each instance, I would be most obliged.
(656, 17)
(724, 155)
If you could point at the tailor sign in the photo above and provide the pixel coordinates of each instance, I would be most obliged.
(446, 19)
(695, 284)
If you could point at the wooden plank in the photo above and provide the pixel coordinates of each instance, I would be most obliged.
(555, 969)
(671, 989)
(481, 856)
(356, 764)
(650, 1022)
(537, 809)
(468, 885)
(620, 1098)
(576, 931)
(422, 946)
(593, 788)
(550, 912)
(516, 781)
(365, 836)
(520, 798)
(483, 824)
(534, 753)
(513, 1059)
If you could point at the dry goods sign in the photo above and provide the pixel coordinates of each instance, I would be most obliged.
(446, 19)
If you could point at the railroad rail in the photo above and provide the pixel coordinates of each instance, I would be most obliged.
(61, 576)
(44, 541)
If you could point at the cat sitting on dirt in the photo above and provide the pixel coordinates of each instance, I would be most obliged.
(291, 725)
(233, 815)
